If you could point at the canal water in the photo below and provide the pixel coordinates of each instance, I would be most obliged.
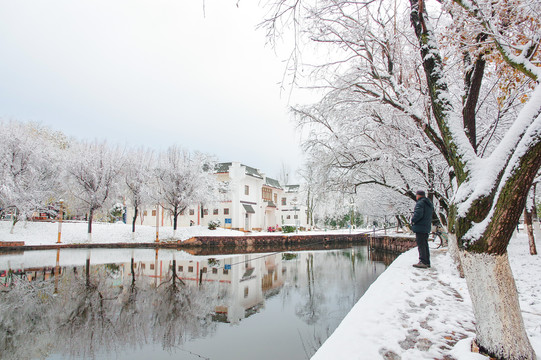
(168, 304)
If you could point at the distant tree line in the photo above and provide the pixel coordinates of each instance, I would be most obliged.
(39, 168)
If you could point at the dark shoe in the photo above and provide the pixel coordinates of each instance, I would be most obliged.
(420, 265)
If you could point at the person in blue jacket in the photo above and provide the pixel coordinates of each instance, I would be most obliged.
(421, 225)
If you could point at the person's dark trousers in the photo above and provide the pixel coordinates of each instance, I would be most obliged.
(422, 245)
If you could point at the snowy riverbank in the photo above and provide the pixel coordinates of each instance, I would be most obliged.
(46, 233)
(411, 313)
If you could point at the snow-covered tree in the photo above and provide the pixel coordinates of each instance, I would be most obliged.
(93, 175)
(184, 178)
(139, 179)
(28, 169)
(472, 91)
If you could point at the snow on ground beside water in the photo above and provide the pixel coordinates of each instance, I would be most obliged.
(413, 313)
(45, 233)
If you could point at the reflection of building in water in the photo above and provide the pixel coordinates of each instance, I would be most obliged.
(46, 273)
(246, 280)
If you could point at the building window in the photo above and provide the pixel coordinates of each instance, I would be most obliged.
(143, 266)
(284, 201)
(215, 212)
(215, 270)
(267, 194)
(205, 211)
(145, 213)
(153, 212)
(182, 213)
(180, 268)
(226, 271)
(246, 292)
(275, 198)
(204, 270)
(296, 216)
(226, 211)
(246, 190)
(151, 266)
(190, 268)
(192, 212)
(288, 217)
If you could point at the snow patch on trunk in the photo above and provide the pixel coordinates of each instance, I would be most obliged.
(499, 327)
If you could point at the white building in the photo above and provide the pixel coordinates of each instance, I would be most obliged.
(293, 207)
(251, 203)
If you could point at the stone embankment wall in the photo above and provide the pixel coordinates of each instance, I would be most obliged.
(298, 242)
(392, 243)
(11, 244)
(272, 240)
(247, 243)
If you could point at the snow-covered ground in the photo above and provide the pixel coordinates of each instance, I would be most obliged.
(45, 233)
(411, 313)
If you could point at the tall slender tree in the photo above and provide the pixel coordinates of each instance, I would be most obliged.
(139, 179)
(184, 179)
(93, 175)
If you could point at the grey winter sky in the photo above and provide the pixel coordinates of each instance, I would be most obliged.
(149, 72)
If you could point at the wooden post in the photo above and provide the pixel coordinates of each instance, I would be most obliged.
(158, 223)
(57, 270)
(60, 216)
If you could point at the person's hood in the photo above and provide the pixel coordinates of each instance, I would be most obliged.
(427, 201)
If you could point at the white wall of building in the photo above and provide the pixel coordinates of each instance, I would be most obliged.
(239, 177)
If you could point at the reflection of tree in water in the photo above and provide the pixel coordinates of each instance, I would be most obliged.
(314, 300)
(89, 315)
(180, 311)
(86, 323)
(24, 315)
(334, 282)
(131, 322)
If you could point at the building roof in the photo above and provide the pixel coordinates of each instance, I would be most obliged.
(223, 167)
(253, 172)
(292, 188)
(250, 171)
(273, 183)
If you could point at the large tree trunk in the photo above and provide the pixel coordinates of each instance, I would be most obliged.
(536, 228)
(90, 216)
(499, 325)
(454, 251)
(134, 220)
(529, 229)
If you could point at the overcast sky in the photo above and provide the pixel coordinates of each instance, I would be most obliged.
(149, 72)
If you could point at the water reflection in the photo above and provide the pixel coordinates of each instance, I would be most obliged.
(87, 306)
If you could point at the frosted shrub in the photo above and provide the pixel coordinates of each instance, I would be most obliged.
(213, 224)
